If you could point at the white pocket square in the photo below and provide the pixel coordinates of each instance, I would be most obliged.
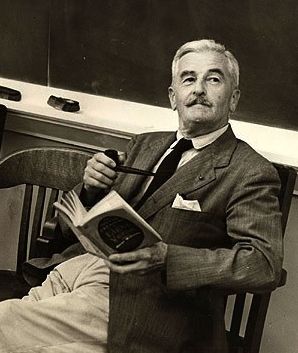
(190, 205)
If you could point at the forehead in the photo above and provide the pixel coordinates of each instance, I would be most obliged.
(203, 62)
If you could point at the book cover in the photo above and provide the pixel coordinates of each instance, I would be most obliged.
(110, 226)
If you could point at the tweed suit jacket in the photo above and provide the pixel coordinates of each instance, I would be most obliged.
(233, 244)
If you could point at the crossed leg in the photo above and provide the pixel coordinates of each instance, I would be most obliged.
(68, 313)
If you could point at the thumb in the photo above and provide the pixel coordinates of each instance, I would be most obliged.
(122, 157)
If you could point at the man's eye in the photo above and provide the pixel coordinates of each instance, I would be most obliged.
(188, 80)
(213, 79)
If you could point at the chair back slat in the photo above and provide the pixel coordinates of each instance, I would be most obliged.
(24, 228)
(37, 220)
(255, 322)
(237, 316)
(53, 198)
(3, 113)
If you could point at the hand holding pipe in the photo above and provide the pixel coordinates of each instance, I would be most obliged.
(113, 154)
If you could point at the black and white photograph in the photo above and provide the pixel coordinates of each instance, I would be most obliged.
(148, 163)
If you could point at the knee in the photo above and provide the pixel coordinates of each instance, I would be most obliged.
(7, 308)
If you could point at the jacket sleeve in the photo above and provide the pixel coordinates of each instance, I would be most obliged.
(254, 261)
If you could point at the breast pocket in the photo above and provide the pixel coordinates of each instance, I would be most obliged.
(194, 229)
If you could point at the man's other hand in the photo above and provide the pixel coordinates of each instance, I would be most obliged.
(139, 261)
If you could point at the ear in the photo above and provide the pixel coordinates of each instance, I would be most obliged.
(172, 97)
(234, 100)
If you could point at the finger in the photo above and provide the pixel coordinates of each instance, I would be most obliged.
(122, 157)
(97, 181)
(107, 178)
(133, 267)
(139, 267)
(95, 166)
(91, 183)
(150, 268)
(138, 255)
(104, 159)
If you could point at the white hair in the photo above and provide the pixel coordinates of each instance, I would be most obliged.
(202, 45)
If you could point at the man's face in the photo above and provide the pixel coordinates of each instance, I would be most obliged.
(203, 93)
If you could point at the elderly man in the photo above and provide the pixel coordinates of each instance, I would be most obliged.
(214, 202)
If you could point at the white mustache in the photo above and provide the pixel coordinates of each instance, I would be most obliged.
(199, 100)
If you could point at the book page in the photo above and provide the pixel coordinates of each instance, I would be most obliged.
(113, 202)
(87, 243)
(80, 210)
(64, 210)
(72, 207)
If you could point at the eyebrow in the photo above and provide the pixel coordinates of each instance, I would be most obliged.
(192, 72)
(218, 71)
(186, 73)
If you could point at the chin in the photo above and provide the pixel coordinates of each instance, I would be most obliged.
(189, 131)
(196, 127)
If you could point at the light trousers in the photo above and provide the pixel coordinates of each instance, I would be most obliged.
(67, 313)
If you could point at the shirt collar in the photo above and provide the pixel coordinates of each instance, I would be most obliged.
(203, 140)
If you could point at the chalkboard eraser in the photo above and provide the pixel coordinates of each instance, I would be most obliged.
(10, 94)
(65, 104)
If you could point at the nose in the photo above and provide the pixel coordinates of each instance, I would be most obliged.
(199, 88)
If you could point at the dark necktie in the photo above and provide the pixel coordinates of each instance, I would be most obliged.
(167, 168)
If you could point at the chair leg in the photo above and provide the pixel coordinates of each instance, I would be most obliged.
(235, 341)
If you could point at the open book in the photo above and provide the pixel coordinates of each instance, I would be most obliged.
(110, 226)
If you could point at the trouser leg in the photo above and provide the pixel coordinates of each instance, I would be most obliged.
(68, 313)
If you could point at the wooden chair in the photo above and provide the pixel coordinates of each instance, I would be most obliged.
(3, 112)
(45, 172)
(57, 169)
(251, 340)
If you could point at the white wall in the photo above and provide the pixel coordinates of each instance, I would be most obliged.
(281, 327)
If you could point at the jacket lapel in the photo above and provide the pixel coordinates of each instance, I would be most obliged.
(195, 174)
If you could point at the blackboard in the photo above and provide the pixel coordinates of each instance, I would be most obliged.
(123, 49)
(24, 28)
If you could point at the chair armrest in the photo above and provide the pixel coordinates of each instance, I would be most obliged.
(283, 278)
(282, 282)
(48, 239)
(52, 240)
(50, 228)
